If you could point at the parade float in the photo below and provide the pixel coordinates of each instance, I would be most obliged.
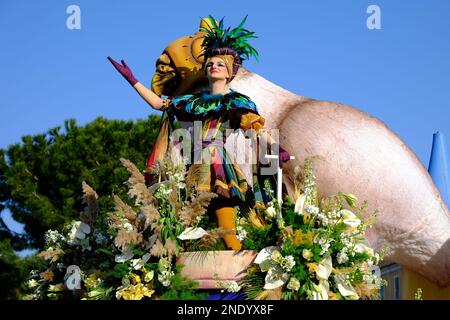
(306, 237)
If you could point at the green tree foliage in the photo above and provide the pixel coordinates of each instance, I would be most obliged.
(40, 178)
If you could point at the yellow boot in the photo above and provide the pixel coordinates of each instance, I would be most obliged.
(226, 217)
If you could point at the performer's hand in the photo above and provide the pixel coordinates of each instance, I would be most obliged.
(283, 155)
(124, 70)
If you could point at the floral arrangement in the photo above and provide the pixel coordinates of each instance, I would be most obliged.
(311, 249)
(128, 253)
(307, 249)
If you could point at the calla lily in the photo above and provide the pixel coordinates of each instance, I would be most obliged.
(192, 233)
(362, 247)
(350, 219)
(124, 256)
(300, 203)
(152, 240)
(320, 291)
(82, 230)
(265, 254)
(344, 287)
(275, 278)
(324, 269)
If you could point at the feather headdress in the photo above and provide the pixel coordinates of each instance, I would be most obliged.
(219, 41)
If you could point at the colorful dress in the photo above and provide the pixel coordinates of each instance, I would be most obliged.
(222, 175)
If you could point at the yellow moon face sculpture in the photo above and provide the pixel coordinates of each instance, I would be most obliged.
(179, 67)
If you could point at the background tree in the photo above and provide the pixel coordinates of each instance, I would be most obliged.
(40, 178)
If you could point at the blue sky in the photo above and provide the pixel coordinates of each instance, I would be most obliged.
(319, 49)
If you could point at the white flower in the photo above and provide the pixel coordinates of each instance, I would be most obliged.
(53, 237)
(350, 219)
(320, 291)
(265, 254)
(323, 242)
(324, 269)
(307, 254)
(165, 277)
(192, 233)
(137, 264)
(127, 226)
(344, 287)
(311, 210)
(232, 286)
(342, 257)
(275, 278)
(300, 203)
(287, 263)
(241, 233)
(124, 256)
(293, 284)
(32, 283)
(271, 212)
(376, 258)
(78, 231)
(363, 247)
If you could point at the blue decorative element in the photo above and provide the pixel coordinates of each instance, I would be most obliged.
(219, 295)
(438, 166)
(201, 104)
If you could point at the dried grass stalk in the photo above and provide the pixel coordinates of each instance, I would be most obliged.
(151, 216)
(164, 250)
(128, 212)
(51, 254)
(125, 238)
(213, 236)
(90, 200)
(136, 184)
(196, 208)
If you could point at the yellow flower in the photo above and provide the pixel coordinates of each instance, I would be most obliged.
(136, 279)
(322, 269)
(303, 238)
(333, 296)
(91, 280)
(135, 292)
(312, 267)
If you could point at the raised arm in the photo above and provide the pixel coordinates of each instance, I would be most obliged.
(148, 95)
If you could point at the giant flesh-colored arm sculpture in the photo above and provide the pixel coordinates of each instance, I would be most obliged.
(360, 155)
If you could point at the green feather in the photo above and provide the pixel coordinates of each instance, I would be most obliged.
(218, 37)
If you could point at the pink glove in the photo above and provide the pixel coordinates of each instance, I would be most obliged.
(124, 70)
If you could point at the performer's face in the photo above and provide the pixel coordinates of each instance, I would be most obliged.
(216, 69)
